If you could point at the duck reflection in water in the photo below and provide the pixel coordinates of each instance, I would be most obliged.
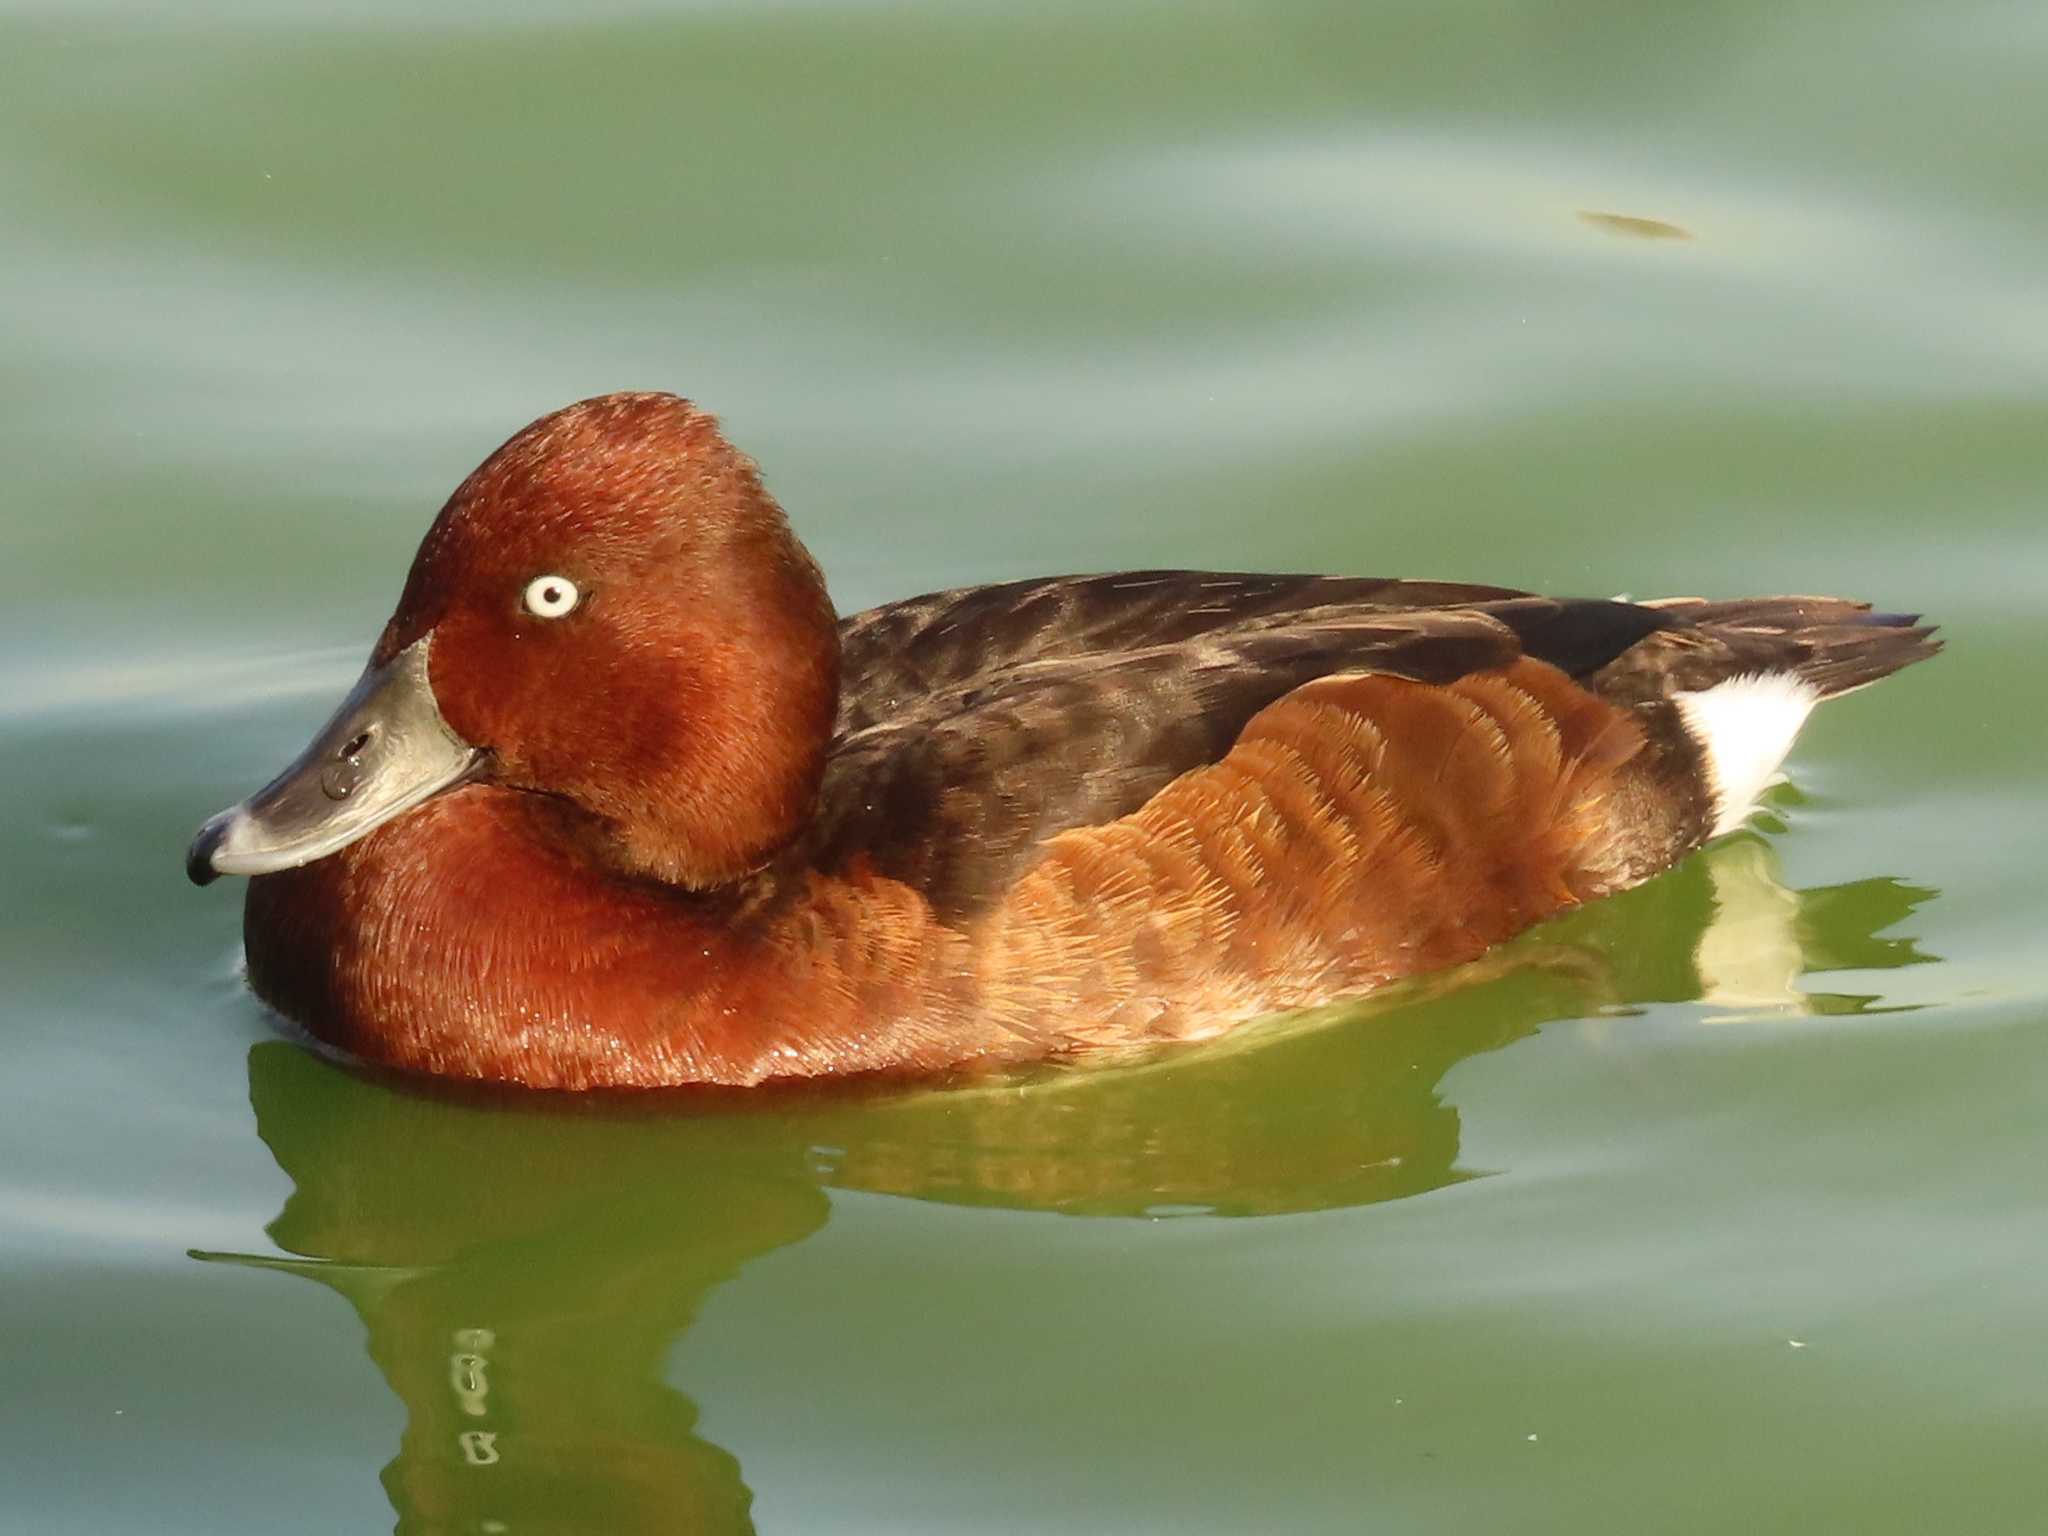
(524, 1268)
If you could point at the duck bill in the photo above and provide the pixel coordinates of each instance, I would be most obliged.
(386, 750)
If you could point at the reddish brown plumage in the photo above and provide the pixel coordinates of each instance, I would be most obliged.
(708, 657)
(1363, 829)
(1035, 819)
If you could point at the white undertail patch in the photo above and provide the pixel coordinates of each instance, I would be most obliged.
(1744, 728)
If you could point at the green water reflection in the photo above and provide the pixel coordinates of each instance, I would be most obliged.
(993, 291)
(524, 1267)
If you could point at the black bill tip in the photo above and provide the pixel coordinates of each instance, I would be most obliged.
(199, 857)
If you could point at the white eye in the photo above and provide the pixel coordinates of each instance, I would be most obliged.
(549, 597)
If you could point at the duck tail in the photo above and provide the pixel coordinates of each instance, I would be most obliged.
(1831, 644)
(1739, 679)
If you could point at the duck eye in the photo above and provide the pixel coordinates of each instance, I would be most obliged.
(549, 597)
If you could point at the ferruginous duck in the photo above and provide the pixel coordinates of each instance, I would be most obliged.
(620, 801)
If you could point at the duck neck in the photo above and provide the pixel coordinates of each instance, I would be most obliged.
(707, 777)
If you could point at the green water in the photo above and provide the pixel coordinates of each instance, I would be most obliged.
(1720, 1207)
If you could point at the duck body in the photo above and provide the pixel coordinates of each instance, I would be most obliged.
(621, 803)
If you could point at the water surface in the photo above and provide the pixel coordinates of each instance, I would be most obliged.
(1718, 1206)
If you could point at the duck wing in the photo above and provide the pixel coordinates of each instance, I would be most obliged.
(976, 724)
(922, 651)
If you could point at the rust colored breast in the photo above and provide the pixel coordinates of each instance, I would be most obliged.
(1364, 828)
(471, 939)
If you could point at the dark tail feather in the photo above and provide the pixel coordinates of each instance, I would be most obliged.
(1843, 660)
(1835, 645)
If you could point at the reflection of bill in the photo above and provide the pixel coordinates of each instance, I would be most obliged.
(524, 1267)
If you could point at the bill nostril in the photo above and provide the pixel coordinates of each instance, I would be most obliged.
(345, 774)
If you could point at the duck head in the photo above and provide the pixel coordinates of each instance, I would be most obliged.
(610, 611)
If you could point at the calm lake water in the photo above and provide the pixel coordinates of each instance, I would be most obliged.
(1723, 1206)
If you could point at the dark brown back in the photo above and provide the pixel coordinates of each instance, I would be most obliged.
(976, 724)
